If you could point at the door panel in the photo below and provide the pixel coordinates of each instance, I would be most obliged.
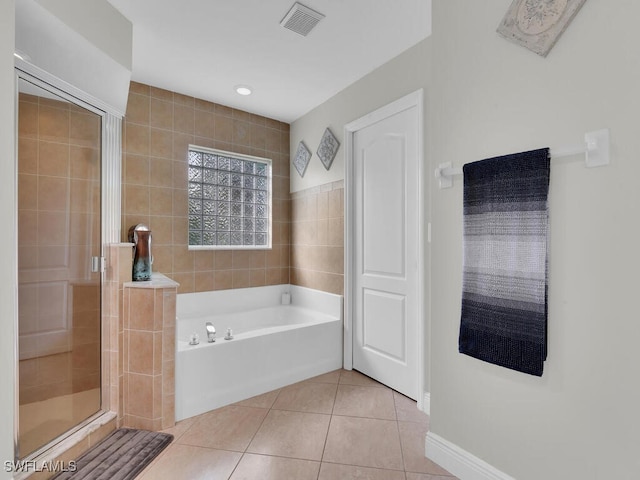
(59, 306)
(383, 215)
(386, 298)
(384, 331)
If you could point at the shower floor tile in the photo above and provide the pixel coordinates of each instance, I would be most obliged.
(341, 425)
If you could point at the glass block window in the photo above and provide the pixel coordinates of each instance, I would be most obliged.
(229, 200)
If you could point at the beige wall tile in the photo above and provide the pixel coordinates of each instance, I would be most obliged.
(204, 260)
(163, 259)
(182, 259)
(160, 170)
(137, 140)
(140, 398)
(317, 232)
(204, 281)
(138, 109)
(161, 114)
(144, 301)
(27, 120)
(155, 92)
(169, 307)
(160, 201)
(186, 281)
(241, 278)
(141, 352)
(223, 280)
(258, 277)
(183, 118)
(53, 159)
(53, 193)
(136, 170)
(84, 162)
(85, 129)
(204, 124)
(53, 124)
(180, 99)
(136, 199)
(241, 259)
(176, 121)
(161, 230)
(140, 88)
(28, 154)
(162, 146)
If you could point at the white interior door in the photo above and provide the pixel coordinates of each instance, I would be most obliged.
(386, 304)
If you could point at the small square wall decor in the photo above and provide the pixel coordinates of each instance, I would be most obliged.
(301, 160)
(537, 24)
(328, 148)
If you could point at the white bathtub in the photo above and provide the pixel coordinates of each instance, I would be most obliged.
(274, 345)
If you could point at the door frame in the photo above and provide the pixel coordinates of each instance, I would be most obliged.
(412, 100)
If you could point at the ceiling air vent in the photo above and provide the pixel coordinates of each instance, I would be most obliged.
(301, 19)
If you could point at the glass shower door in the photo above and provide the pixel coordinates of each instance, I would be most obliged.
(59, 219)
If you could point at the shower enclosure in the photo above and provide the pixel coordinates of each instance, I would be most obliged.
(59, 286)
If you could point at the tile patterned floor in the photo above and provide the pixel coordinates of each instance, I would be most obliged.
(338, 426)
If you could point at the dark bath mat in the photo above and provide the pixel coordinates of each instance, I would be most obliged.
(120, 456)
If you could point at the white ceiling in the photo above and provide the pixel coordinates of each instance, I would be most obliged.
(203, 48)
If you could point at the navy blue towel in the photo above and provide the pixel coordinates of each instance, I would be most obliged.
(504, 293)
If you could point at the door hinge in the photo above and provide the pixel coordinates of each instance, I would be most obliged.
(97, 264)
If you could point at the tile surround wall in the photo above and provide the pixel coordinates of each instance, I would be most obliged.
(317, 238)
(149, 354)
(159, 125)
(118, 272)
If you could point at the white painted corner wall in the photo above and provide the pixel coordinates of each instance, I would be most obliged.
(93, 60)
(8, 235)
(491, 97)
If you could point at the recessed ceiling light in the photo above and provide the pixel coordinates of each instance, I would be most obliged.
(243, 90)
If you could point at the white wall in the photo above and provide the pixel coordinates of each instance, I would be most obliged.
(112, 33)
(491, 97)
(8, 248)
(91, 60)
(484, 97)
(402, 75)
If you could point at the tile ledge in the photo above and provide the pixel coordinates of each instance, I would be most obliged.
(158, 281)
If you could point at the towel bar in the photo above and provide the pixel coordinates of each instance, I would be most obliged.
(595, 148)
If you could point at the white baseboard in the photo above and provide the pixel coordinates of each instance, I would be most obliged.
(459, 462)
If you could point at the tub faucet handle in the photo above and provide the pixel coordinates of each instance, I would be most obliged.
(211, 332)
(229, 335)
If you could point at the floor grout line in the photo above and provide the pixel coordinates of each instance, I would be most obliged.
(245, 452)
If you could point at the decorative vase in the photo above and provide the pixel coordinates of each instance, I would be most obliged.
(140, 236)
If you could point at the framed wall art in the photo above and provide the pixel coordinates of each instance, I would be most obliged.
(537, 24)
(328, 148)
(301, 160)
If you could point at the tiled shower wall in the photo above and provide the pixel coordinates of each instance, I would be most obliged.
(159, 125)
(58, 232)
(317, 238)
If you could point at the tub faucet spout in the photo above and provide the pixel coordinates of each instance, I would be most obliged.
(211, 332)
